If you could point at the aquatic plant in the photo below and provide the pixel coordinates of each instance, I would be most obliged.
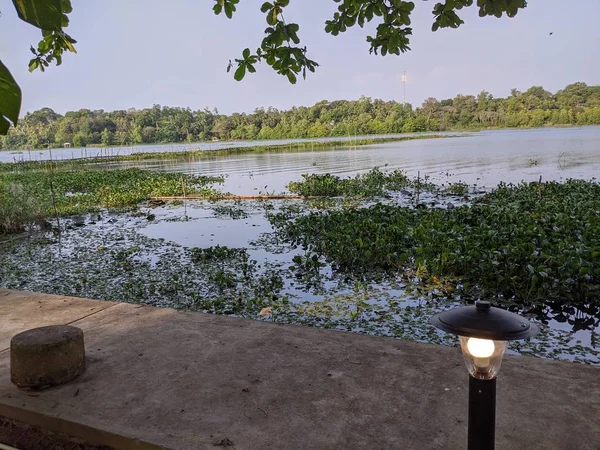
(459, 188)
(532, 242)
(110, 258)
(231, 211)
(371, 184)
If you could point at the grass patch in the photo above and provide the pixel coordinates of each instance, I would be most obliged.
(28, 196)
(18, 209)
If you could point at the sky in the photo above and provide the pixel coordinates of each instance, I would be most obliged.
(136, 53)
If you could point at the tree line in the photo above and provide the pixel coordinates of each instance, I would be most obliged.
(576, 104)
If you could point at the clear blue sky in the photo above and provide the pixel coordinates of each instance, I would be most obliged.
(136, 53)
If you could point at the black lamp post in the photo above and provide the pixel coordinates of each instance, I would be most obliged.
(483, 332)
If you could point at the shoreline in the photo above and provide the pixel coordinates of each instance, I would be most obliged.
(307, 139)
(275, 148)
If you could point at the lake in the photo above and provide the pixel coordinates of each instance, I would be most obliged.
(100, 152)
(485, 158)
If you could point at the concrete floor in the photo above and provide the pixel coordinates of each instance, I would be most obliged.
(192, 381)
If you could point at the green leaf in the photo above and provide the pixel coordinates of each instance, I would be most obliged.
(33, 64)
(240, 73)
(292, 77)
(272, 17)
(246, 53)
(10, 99)
(407, 6)
(69, 45)
(44, 14)
(66, 6)
(265, 7)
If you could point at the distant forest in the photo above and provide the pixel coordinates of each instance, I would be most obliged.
(576, 104)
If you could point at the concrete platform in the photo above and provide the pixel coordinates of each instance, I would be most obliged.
(162, 378)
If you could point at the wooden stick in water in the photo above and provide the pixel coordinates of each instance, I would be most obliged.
(184, 197)
(233, 197)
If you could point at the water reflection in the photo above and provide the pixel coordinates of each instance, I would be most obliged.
(573, 317)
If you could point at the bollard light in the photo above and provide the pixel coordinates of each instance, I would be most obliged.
(483, 332)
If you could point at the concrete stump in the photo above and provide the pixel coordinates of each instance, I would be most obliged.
(46, 356)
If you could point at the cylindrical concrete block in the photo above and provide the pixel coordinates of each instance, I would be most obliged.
(46, 356)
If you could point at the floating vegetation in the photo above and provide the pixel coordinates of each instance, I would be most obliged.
(371, 184)
(529, 243)
(457, 188)
(231, 211)
(109, 257)
(120, 264)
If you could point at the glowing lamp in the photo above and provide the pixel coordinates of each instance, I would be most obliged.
(483, 332)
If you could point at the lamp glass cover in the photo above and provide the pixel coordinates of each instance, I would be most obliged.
(483, 357)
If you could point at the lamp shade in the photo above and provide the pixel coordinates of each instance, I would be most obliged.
(485, 322)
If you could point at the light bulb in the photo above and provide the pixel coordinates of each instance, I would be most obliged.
(481, 350)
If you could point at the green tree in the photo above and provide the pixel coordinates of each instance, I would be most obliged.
(136, 135)
(107, 137)
(317, 129)
(80, 140)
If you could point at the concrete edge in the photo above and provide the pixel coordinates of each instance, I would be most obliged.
(74, 321)
(85, 433)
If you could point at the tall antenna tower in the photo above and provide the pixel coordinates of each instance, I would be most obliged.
(404, 88)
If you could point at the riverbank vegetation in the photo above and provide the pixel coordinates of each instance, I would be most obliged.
(576, 104)
(30, 197)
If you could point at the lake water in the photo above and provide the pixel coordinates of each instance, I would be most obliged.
(98, 152)
(485, 158)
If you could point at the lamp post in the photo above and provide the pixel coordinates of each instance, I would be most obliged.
(483, 332)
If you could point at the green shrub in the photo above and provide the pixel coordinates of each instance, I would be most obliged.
(18, 211)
